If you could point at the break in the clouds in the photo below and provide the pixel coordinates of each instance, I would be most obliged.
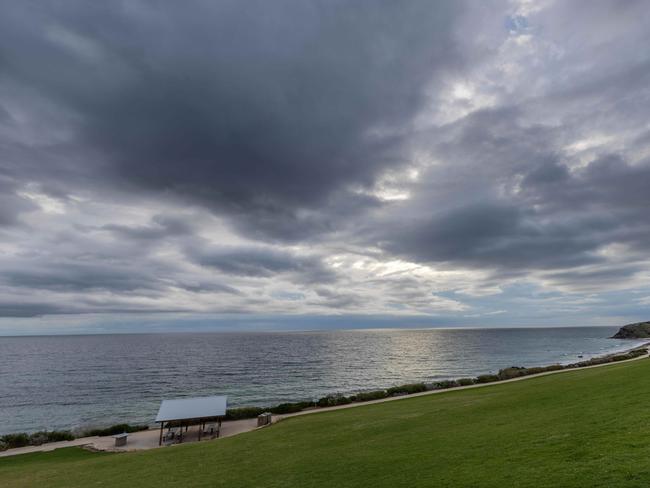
(383, 162)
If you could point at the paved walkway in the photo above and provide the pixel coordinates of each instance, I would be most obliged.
(50, 446)
(148, 439)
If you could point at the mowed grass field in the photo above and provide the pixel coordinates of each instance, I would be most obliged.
(584, 428)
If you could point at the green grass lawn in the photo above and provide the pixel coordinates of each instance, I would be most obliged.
(585, 428)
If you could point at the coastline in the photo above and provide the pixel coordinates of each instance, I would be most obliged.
(51, 389)
(645, 346)
(147, 439)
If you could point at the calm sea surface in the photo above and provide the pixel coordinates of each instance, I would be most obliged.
(59, 382)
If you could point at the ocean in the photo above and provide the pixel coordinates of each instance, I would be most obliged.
(69, 382)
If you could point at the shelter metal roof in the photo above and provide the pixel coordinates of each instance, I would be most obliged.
(192, 408)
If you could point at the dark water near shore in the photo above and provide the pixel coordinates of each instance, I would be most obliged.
(59, 382)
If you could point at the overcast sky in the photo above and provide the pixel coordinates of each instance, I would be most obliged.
(296, 164)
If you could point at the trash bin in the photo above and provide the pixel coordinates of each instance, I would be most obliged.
(120, 439)
(264, 419)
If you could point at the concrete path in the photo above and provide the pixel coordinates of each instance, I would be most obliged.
(50, 446)
(146, 439)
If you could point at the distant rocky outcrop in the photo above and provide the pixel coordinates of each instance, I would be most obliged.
(640, 330)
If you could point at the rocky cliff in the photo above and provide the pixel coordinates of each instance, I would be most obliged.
(640, 330)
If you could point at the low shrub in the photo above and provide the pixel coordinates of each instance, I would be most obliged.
(545, 369)
(465, 381)
(609, 359)
(535, 370)
(635, 353)
(590, 362)
(553, 367)
(407, 389)
(366, 396)
(11, 441)
(621, 357)
(512, 372)
(38, 438)
(59, 435)
(443, 385)
(333, 400)
(290, 407)
(114, 429)
(243, 413)
(486, 378)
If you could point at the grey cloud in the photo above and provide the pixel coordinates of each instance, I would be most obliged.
(38, 307)
(280, 120)
(549, 173)
(493, 235)
(161, 227)
(594, 278)
(141, 274)
(206, 287)
(11, 203)
(262, 262)
(506, 201)
(334, 299)
(611, 179)
(70, 276)
(278, 223)
(256, 112)
(29, 309)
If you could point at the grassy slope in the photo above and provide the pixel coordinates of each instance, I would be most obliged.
(581, 428)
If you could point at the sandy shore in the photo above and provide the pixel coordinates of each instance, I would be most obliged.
(148, 439)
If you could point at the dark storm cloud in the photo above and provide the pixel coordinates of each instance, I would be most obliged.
(25, 310)
(262, 262)
(612, 195)
(256, 111)
(543, 175)
(494, 236)
(11, 203)
(278, 222)
(608, 179)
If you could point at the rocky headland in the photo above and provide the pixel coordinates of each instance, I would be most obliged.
(640, 330)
